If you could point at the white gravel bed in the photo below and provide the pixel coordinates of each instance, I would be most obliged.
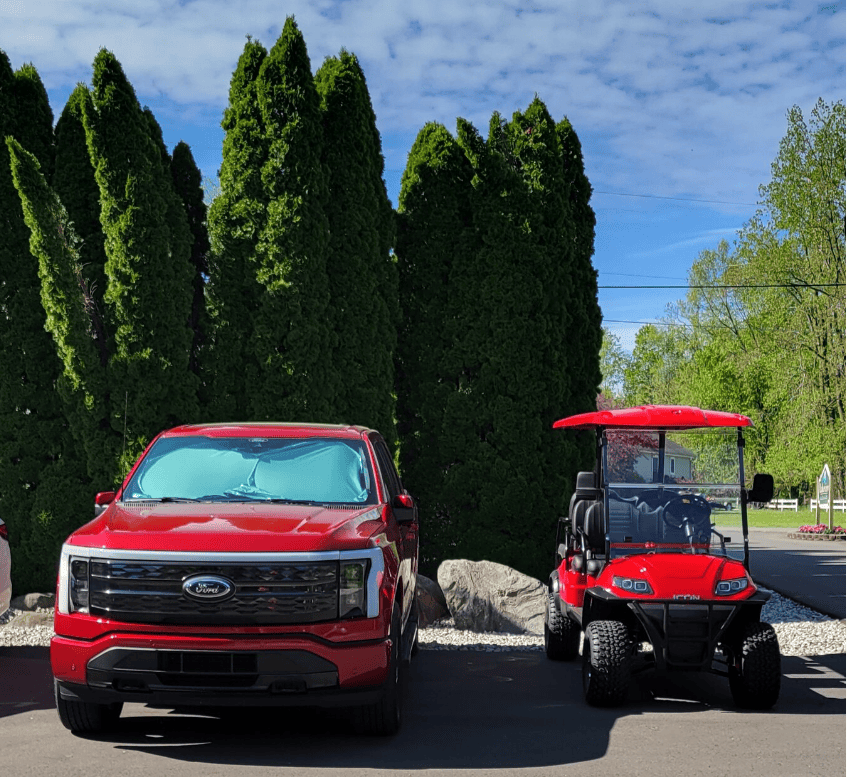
(801, 632)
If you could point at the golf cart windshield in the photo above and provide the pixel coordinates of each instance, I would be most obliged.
(675, 491)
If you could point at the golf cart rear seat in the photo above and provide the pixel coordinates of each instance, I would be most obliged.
(588, 525)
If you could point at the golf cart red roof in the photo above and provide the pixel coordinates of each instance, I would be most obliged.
(653, 417)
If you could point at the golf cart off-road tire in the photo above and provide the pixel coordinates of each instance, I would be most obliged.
(82, 717)
(561, 634)
(755, 672)
(383, 717)
(606, 663)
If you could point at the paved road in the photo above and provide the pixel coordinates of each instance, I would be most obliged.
(468, 713)
(810, 572)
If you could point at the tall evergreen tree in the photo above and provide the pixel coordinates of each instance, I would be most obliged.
(74, 183)
(362, 274)
(292, 337)
(148, 294)
(510, 349)
(188, 182)
(434, 226)
(39, 492)
(585, 322)
(236, 219)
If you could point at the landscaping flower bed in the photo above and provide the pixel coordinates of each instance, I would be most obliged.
(819, 532)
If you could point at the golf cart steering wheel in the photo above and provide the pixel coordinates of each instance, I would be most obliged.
(689, 508)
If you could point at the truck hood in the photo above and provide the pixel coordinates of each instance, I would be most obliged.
(677, 575)
(250, 528)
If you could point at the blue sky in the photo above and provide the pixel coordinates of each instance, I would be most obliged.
(674, 101)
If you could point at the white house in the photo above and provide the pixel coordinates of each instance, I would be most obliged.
(679, 462)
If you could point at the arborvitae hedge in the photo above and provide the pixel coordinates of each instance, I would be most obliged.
(74, 183)
(236, 220)
(362, 274)
(148, 294)
(292, 340)
(188, 183)
(40, 470)
(434, 227)
(493, 475)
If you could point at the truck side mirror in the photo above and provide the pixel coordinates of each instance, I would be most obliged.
(102, 501)
(762, 490)
(405, 509)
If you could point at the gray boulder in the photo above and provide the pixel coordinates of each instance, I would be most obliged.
(486, 596)
(432, 605)
(31, 602)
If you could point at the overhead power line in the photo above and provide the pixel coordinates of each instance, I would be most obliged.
(738, 286)
(678, 199)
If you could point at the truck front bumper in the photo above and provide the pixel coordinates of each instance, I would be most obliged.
(171, 671)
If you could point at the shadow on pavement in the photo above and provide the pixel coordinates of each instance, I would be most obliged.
(27, 682)
(466, 710)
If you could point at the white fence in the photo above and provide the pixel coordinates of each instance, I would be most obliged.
(783, 504)
(837, 504)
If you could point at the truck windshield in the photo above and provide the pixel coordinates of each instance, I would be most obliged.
(673, 492)
(316, 470)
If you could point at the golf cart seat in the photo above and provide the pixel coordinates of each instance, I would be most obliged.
(589, 525)
(584, 494)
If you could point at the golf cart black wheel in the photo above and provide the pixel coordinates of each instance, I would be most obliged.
(606, 663)
(755, 671)
(83, 717)
(383, 718)
(561, 634)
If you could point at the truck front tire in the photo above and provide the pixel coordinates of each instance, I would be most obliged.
(383, 717)
(81, 717)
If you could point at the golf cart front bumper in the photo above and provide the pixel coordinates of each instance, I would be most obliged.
(684, 633)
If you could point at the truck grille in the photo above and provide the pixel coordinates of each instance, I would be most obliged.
(264, 593)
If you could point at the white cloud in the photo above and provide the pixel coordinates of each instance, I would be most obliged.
(670, 98)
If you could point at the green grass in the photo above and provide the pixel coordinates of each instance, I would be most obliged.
(788, 519)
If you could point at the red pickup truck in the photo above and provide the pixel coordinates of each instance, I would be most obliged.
(242, 564)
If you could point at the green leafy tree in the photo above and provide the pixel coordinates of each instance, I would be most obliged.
(613, 362)
(796, 240)
(362, 273)
(651, 377)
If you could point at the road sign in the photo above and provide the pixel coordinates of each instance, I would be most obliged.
(824, 494)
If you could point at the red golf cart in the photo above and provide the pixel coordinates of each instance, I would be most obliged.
(644, 575)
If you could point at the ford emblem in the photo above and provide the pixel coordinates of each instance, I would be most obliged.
(208, 588)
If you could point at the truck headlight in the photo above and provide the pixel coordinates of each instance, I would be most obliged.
(78, 584)
(729, 587)
(352, 590)
(633, 584)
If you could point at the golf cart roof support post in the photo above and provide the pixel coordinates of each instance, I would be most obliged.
(743, 500)
(660, 473)
(604, 482)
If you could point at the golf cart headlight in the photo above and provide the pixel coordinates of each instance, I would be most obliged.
(78, 586)
(730, 587)
(352, 590)
(634, 585)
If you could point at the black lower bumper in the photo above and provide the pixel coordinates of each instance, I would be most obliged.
(684, 634)
(173, 678)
